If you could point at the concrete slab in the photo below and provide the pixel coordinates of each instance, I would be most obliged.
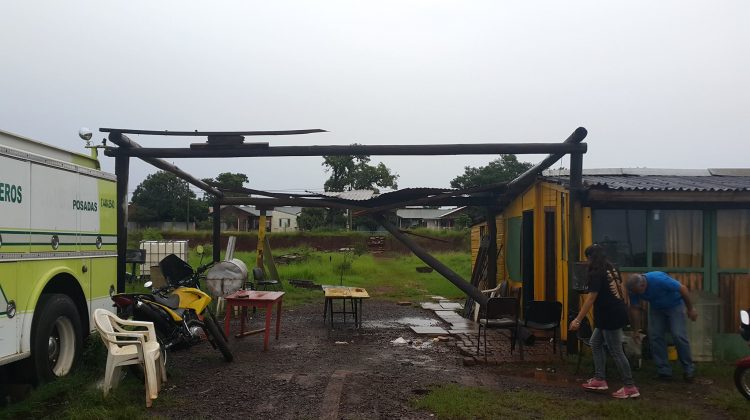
(432, 306)
(451, 305)
(429, 330)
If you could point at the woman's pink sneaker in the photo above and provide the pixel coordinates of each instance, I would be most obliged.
(627, 392)
(596, 384)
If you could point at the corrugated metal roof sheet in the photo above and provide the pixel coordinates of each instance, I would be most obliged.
(356, 195)
(422, 213)
(374, 199)
(662, 182)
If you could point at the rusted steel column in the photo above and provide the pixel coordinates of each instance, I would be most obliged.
(428, 259)
(574, 235)
(491, 249)
(261, 239)
(122, 172)
(216, 239)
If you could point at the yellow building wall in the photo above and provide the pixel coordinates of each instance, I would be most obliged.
(539, 198)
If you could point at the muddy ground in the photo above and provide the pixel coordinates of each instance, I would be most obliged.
(316, 372)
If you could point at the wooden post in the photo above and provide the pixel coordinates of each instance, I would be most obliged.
(217, 232)
(575, 225)
(122, 172)
(491, 249)
(261, 239)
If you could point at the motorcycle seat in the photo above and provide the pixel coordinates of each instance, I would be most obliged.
(172, 301)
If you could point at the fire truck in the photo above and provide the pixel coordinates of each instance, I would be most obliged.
(58, 237)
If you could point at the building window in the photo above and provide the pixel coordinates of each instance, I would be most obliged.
(677, 238)
(623, 234)
(733, 239)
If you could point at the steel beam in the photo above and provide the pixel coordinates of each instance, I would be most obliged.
(428, 259)
(122, 172)
(354, 149)
(217, 232)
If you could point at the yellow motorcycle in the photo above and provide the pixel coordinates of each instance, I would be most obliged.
(179, 309)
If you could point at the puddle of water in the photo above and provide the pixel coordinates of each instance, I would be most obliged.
(406, 321)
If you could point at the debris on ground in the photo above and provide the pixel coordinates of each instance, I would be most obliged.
(399, 341)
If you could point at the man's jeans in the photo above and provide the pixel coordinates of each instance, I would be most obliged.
(613, 340)
(673, 320)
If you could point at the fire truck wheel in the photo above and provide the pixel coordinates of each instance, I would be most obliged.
(56, 337)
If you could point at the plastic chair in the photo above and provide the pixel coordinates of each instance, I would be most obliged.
(261, 282)
(132, 346)
(544, 316)
(500, 313)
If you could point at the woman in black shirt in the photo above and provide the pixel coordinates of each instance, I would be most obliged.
(607, 295)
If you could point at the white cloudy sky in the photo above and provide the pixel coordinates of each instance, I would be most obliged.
(657, 84)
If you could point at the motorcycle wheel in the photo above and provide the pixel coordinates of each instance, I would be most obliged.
(217, 338)
(742, 381)
(211, 316)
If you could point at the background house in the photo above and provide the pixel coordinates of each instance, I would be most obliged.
(247, 218)
(419, 217)
(692, 224)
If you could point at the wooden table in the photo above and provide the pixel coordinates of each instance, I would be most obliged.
(355, 295)
(256, 299)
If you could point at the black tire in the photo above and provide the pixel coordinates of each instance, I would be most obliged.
(217, 338)
(742, 381)
(56, 337)
(211, 316)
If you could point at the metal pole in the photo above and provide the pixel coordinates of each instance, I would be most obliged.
(574, 235)
(122, 172)
(217, 232)
(261, 239)
(423, 255)
(491, 249)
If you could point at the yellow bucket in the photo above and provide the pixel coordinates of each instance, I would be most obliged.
(671, 353)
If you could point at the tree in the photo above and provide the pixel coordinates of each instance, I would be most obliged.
(311, 218)
(504, 168)
(229, 181)
(354, 172)
(164, 197)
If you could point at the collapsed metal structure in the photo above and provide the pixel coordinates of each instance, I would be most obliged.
(492, 197)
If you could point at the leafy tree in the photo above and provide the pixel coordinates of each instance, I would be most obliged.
(505, 168)
(229, 181)
(463, 221)
(354, 172)
(311, 218)
(163, 196)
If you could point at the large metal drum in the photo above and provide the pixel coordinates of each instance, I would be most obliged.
(226, 277)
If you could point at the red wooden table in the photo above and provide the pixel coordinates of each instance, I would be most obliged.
(258, 299)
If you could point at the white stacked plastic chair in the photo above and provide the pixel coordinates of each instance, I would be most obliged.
(135, 345)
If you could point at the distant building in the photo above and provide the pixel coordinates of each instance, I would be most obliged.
(419, 217)
(247, 218)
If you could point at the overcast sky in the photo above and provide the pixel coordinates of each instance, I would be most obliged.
(657, 84)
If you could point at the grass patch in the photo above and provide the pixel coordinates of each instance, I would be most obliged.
(391, 277)
(77, 396)
(457, 402)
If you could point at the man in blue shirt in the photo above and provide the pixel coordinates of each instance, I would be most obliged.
(669, 303)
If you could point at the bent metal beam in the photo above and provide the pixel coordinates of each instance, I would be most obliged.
(423, 255)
